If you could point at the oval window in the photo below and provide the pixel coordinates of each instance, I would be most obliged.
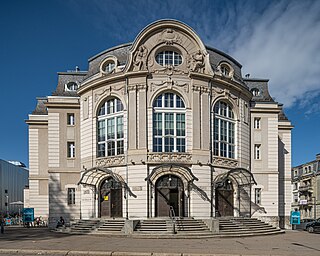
(108, 67)
(255, 92)
(166, 58)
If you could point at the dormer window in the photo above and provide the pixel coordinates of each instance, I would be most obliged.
(109, 65)
(255, 92)
(225, 70)
(71, 86)
(169, 58)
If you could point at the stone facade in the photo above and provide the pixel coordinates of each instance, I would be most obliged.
(306, 189)
(163, 124)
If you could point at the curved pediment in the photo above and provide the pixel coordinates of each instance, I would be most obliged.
(169, 46)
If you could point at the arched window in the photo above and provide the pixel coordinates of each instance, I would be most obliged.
(169, 123)
(223, 130)
(169, 58)
(110, 128)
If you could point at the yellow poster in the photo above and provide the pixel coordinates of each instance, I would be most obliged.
(106, 198)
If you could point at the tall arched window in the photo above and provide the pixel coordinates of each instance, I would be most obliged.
(110, 128)
(223, 130)
(169, 123)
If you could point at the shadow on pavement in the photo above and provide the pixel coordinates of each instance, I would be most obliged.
(12, 233)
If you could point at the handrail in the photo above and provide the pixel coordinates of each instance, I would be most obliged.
(172, 216)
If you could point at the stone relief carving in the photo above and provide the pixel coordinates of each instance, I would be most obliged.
(169, 37)
(107, 91)
(170, 70)
(226, 93)
(196, 62)
(170, 157)
(110, 161)
(170, 84)
(140, 58)
(219, 161)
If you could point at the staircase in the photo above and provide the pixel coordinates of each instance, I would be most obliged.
(184, 228)
(191, 227)
(110, 226)
(84, 226)
(157, 226)
(234, 226)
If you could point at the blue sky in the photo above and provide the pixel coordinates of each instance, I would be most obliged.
(279, 40)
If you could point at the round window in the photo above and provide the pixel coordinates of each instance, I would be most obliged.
(166, 58)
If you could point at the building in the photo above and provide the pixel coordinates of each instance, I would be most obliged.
(161, 124)
(306, 188)
(13, 179)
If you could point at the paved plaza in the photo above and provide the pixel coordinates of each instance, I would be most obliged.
(41, 241)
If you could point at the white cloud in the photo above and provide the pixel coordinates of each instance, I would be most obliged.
(283, 44)
(278, 40)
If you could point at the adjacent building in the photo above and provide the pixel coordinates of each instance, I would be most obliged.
(163, 124)
(13, 179)
(306, 189)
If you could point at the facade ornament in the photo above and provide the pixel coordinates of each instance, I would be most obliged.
(169, 37)
(137, 87)
(196, 62)
(200, 88)
(107, 92)
(223, 162)
(170, 84)
(139, 58)
(169, 70)
(110, 161)
(169, 157)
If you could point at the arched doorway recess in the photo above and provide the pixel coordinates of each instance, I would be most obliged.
(237, 181)
(169, 192)
(110, 198)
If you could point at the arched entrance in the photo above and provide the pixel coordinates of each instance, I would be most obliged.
(110, 198)
(169, 192)
(224, 199)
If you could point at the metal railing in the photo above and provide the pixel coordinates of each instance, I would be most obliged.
(172, 216)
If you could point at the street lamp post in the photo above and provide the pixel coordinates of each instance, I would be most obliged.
(314, 207)
(7, 201)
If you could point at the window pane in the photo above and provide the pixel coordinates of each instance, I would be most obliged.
(157, 144)
(120, 148)
(110, 128)
(181, 145)
(101, 131)
(119, 127)
(157, 124)
(119, 105)
(169, 124)
(111, 148)
(101, 150)
(168, 144)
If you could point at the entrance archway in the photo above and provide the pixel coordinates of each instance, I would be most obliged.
(169, 192)
(110, 198)
(224, 199)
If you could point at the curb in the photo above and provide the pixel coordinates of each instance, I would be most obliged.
(98, 253)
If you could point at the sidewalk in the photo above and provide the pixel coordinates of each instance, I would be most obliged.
(32, 241)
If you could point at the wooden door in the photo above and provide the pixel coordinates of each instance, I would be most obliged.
(169, 192)
(116, 203)
(224, 200)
